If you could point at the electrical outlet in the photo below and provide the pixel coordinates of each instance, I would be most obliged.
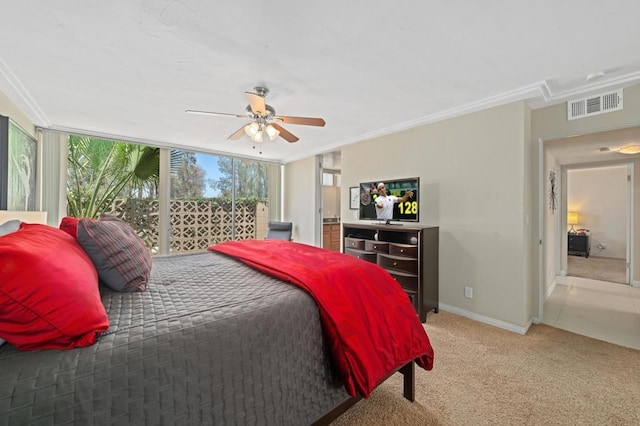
(602, 246)
(468, 292)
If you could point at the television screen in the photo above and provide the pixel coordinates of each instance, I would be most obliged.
(390, 200)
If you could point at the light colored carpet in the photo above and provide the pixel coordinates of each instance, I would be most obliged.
(484, 375)
(597, 268)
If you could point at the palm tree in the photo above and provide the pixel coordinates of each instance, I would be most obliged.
(100, 170)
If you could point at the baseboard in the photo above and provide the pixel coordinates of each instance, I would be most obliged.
(485, 319)
(554, 282)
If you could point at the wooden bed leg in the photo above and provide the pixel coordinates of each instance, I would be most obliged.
(409, 373)
(409, 392)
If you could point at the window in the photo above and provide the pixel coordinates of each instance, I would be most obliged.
(118, 178)
(251, 199)
(216, 198)
(211, 198)
(331, 178)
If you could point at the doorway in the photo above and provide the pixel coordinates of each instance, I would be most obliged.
(598, 211)
(594, 308)
(331, 206)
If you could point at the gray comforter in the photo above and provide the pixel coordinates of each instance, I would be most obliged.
(211, 341)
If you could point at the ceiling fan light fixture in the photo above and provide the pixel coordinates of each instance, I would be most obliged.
(257, 137)
(272, 132)
(630, 149)
(252, 129)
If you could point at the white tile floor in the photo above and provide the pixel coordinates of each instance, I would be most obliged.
(602, 310)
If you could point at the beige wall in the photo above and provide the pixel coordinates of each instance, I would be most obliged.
(8, 109)
(469, 191)
(531, 288)
(551, 233)
(299, 199)
(331, 202)
(599, 196)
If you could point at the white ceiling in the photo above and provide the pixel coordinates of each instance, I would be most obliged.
(130, 68)
(597, 147)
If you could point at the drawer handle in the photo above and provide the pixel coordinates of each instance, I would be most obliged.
(395, 263)
(375, 247)
(401, 250)
(358, 257)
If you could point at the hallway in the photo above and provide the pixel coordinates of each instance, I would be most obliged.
(602, 310)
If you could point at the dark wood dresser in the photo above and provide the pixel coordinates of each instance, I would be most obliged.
(408, 253)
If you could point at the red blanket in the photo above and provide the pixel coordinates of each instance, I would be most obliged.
(371, 326)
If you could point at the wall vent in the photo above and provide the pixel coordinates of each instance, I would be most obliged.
(594, 105)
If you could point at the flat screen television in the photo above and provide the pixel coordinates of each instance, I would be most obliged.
(390, 200)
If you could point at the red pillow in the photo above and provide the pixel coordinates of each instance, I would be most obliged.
(70, 225)
(49, 296)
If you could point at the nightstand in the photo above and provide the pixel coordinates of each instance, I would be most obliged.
(578, 245)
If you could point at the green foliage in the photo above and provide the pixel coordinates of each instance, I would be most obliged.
(249, 202)
(101, 170)
(149, 165)
(223, 184)
(187, 178)
(252, 178)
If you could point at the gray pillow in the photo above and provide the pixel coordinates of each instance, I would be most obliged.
(9, 227)
(1, 342)
(118, 253)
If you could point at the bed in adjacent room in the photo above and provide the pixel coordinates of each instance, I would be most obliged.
(210, 340)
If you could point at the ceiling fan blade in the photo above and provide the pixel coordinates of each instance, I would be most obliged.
(257, 103)
(237, 134)
(224, 114)
(307, 121)
(285, 134)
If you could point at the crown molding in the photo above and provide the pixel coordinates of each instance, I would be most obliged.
(153, 143)
(537, 95)
(551, 97)
(37, 115)
(524, 93)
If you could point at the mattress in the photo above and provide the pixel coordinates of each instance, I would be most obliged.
(211, 341)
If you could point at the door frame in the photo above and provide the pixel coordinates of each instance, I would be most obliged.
(629, 211)
(543, 244)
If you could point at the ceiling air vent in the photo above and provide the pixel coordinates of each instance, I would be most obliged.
(594, 105)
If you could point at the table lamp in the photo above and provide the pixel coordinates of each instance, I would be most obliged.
(572, 219)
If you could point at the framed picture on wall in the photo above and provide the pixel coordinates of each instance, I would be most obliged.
(17, 167)
(354, 197)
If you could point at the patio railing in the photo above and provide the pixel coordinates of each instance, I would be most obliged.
(195, 224)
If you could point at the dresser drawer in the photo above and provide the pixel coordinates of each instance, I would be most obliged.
(361, 254)
(407, 281)
(413, 297)
(398, 263)
(356, 243)
(377, 246)
(403, 250)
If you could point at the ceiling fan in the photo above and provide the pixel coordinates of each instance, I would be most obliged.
(264, 119)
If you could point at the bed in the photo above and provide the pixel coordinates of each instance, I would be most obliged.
(210, 341)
